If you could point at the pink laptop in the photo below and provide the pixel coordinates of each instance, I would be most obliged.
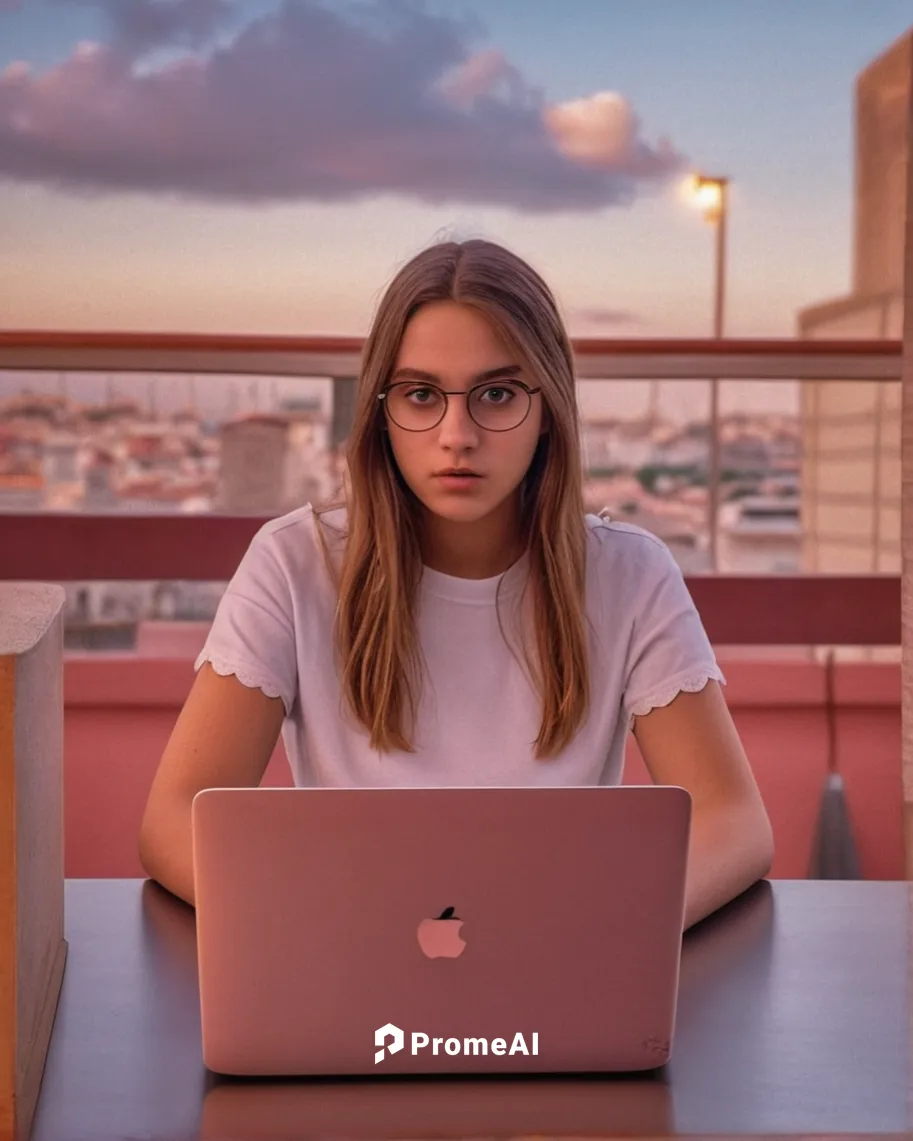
(401, 931)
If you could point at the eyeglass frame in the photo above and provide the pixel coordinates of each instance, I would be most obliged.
(446, 393)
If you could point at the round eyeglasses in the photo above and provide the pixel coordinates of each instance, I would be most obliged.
(418, 407)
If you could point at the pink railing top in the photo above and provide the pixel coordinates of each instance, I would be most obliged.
(597, 358)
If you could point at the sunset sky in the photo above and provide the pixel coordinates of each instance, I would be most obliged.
(265, 167)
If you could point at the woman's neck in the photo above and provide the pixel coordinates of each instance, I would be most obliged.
(481, 549)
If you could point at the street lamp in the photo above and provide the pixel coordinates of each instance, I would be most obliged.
(711, 192)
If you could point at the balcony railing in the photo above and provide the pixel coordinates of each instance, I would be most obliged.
(124, 704)
(737, 609)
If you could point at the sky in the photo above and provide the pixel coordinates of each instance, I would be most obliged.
(265, 166)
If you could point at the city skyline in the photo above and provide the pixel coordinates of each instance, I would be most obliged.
(679, 401)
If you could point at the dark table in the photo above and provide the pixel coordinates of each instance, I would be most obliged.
(794, 1019)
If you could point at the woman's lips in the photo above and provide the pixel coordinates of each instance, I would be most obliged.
(458, 482)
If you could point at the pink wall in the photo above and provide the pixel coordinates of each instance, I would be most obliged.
(119, 711)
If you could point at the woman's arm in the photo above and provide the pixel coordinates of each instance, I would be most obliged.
(692, 742)
(223, 738)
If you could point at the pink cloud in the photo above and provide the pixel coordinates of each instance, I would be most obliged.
(601, 315)
(483, 74)
(306, 104)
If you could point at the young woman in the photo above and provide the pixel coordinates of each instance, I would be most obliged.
(458, 619)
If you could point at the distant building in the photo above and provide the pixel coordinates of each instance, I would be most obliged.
(21, 492)
(62, 467)
(760, 535)
(684, 450)
(851, 431)
(307, 475)
(252, 475)
(61, 460)
(851, 482)
(613, 443)
(99, 483)
(271, 464)
(882, 108)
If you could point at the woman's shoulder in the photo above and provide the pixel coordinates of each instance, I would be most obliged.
(626, 555)
(298, 543)
(618, 539)
(302, 523)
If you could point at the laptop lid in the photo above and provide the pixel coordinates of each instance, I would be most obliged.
(439, 930)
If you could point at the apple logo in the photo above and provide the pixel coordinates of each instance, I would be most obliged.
(440, 938)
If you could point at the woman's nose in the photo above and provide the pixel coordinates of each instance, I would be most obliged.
(457, 424)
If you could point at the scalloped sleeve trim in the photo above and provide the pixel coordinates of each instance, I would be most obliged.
(692, 682)
(254, 677)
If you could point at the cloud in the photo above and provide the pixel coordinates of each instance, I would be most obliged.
(602, 131)
(597, 315)
(483, 74)
(307, 103)
(138, 26)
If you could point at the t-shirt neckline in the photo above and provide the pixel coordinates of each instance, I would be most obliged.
(475, 590)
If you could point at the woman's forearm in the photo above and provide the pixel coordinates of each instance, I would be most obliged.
(731, 848)
(166, 851)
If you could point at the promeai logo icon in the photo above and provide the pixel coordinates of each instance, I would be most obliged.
(397, 1040)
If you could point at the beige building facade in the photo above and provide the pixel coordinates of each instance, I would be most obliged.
(851, 430)
(851, 475)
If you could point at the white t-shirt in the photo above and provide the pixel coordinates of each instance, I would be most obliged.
(479, 714)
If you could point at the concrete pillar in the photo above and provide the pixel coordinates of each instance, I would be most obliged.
(32, 944)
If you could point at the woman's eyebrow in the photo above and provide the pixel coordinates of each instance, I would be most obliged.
(491, 374)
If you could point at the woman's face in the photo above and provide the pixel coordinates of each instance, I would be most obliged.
(455, 349)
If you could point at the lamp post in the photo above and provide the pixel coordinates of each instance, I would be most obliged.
(711, 192)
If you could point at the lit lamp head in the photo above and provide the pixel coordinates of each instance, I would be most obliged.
(707, 193)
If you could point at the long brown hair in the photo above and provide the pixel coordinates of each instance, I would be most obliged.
(377, 646)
